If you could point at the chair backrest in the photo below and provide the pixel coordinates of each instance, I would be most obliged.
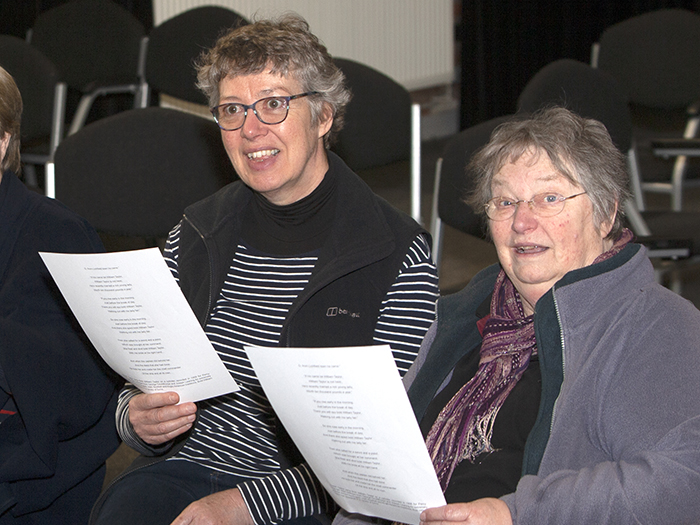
(382, 126)
(589, 92)
(92, 42)
(134, 173)
(655, 57)
(377, 127)
(37, 78)
(175, 44)
(455, 180)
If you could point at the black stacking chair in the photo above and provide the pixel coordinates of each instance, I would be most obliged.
(44, 102)
(132, 174)
(655, 58)
(174, 45)
(382, 126)
(96, 46)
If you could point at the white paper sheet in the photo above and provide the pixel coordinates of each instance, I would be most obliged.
(348, 413)
(134, 313)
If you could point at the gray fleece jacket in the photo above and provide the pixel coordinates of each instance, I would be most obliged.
(617, 440)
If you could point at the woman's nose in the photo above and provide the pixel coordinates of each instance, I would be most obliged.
(252, 126)
(524, 217)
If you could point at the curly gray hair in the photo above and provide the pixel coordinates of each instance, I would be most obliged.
(288, 48)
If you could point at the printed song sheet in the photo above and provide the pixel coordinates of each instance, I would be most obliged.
(348, 412)
(134, 313)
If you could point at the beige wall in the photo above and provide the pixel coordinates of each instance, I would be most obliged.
(408, 40)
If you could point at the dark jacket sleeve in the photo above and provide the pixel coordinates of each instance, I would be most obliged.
(65, 396)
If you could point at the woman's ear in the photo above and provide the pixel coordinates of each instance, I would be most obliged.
(325, 120)
(607, 225)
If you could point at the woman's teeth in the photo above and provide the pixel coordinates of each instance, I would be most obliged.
(523, 249)
(263, 153)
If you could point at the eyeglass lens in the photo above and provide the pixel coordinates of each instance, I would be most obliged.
(542, 205)
(270, 110)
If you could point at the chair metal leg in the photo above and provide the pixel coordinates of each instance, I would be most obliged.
(415, 164)
(436, 227)
(50, 180)
(680, 166)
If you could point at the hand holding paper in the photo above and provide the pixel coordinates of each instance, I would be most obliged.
(348, 413)
(158, 418)
(134, 313)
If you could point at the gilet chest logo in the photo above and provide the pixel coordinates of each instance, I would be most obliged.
(335, 311)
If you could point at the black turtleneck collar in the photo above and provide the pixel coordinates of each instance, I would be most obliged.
(294, 229)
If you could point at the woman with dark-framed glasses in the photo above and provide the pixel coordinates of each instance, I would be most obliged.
(299, 252)
(562, 385)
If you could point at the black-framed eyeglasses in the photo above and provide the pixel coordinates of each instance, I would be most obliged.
(269, 110)
(546, 204)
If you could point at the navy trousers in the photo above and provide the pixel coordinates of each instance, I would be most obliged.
(71, 508)
(157, 494)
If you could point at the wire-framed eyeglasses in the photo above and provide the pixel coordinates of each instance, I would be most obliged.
(269, 110)
(546, 204)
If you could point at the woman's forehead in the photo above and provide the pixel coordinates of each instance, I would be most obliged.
(533, 165)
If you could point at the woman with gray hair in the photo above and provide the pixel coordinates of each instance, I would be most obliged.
(561, 385)
(299, 252)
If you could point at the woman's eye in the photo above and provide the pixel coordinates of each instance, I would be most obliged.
(231, 109)
(550, 198)
(274, 103)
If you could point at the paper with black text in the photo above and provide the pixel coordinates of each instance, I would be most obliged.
(133, 311)
(348, 413)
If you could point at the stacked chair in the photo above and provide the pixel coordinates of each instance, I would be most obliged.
(655, 58)
(96, 46)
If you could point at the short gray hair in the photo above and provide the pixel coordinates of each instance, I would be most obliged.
(580, 149)
(288, 47)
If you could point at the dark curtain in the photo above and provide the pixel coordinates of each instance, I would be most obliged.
(504, 43)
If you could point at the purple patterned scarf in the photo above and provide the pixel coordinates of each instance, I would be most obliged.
(464, 426)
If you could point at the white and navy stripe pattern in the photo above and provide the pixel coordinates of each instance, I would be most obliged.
(235, 434)
(408, 309)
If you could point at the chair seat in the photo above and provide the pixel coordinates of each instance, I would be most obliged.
(683, 225)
